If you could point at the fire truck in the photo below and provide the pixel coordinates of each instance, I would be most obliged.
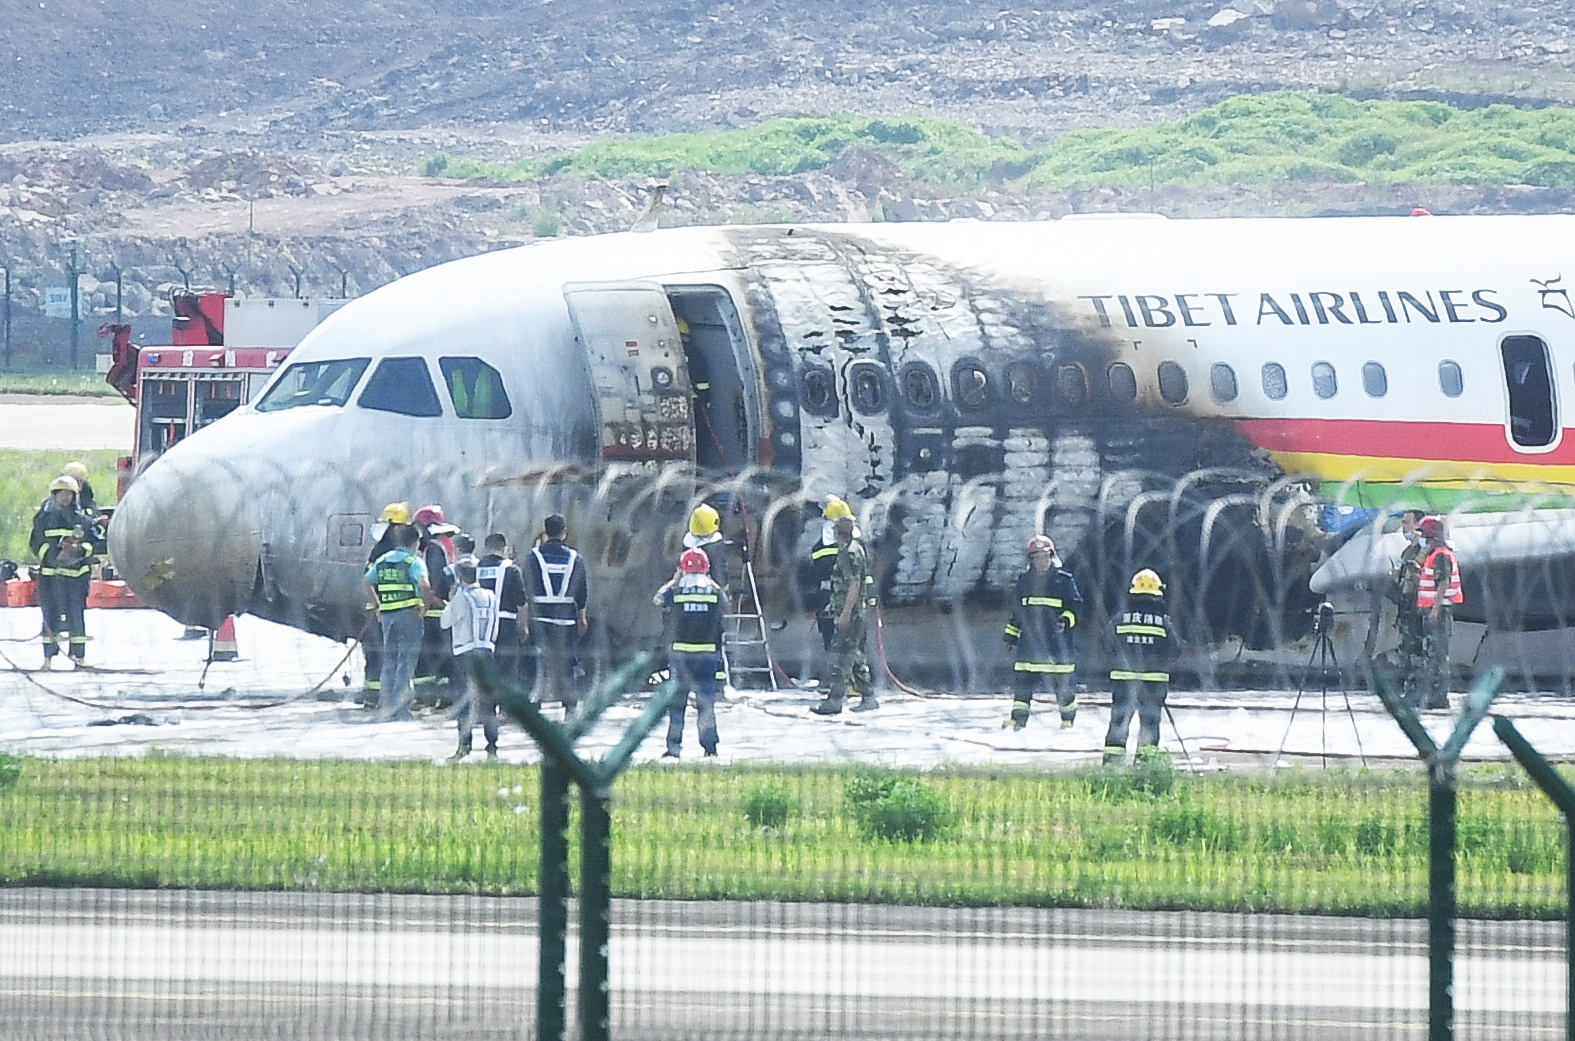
(222, 350)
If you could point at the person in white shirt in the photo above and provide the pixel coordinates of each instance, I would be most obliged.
(471, 617)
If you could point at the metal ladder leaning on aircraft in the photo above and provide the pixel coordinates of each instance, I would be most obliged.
(746, 627)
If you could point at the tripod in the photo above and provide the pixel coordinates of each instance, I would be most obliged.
(1324, 658)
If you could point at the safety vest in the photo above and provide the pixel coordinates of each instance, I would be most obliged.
(396, 589)
(1427, 585)
(490, 576)
(555, 590)
(698, 626)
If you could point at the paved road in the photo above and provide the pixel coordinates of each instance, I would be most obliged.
(172, 965)
(39, 421)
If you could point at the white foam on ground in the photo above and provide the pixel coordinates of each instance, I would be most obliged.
(148, 670)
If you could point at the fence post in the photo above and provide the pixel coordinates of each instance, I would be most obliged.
(552, 891)
(1563, 796)
(595, 914)
(7, 270)
(1441, 763)
(76, 307)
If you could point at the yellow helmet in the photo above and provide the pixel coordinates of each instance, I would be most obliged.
(836, 509)
(1147, 581)
(64, 483)
(704, 521)
(396, 513)
(77, 471)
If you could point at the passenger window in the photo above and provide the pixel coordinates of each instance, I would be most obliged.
(971, 386)
(1022, 382)
(1325, 384)
(1122, 382)
(1172, 383)
(819, 399)
(401, 385)
(313, 383)
(1222, 381)
(1275, 385)
(475, 388)
(1375, 380)
(1071, 384)
(1450, 381)
(1532, 419)
(920, 388)
(868, 387)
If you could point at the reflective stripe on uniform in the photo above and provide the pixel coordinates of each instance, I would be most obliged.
(694, 648)
(1042, 601)
(1145, 677)
(554, 593)
(695, 598)
(1141, 630)
(822, 552)
(1051, 667)
(1013, 631)
(58, 533)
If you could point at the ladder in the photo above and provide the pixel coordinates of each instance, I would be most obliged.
(744, 630)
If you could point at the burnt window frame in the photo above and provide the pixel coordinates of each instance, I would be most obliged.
(1549, 397)
(434, 403)
(1069, 373)
(987, 394)
(1216, 371)
(1019, 374)
(1281, 379)
(1165, 368)
(1325, 380)
(866, 374)
(1450, 366)
(921, 372)
(1129, 390)
(811, 375)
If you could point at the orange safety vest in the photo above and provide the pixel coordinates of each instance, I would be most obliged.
(1427, 586)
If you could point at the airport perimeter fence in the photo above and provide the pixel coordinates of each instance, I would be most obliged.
(192, 897)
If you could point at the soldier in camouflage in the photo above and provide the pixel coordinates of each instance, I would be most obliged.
(852, 597)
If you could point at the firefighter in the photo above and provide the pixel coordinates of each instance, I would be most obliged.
(816, 572)
(1140, 678)
(395, 515)
(1047, 607)
(401, 593)
(1438, 591)
(496, 572)
(1408, 619)
(437, 551)
(705, 533)
(85, 499)
(694, 658)
(852, 598)
(64, 548)
(555, 580)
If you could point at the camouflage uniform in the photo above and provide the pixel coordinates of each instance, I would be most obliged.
(1408, 620)
(850, 668)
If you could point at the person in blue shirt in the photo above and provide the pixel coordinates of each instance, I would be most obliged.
(694, 659)
(401, 591)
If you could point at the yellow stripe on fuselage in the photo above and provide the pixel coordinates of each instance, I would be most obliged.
(1433, 473)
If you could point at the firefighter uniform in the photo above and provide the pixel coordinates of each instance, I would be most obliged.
(694, 658)
(395, 515)
(555, 579)
(62, 541)
(397, 576)
(502, 576)
(1140, 678)
(815, 582)
(1438, 586)
(1046, 611)
(850, 667)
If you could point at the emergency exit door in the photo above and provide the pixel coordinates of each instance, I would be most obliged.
(636, 358)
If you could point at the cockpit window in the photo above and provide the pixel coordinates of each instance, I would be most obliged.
(475, 388)
(401, 385)
(314, 383)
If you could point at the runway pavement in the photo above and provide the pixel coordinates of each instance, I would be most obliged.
(42, 421)
(173, 965)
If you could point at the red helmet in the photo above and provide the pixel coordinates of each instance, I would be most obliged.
(1431, 527)
(430, 515)
(694, 562)
(1040, 544)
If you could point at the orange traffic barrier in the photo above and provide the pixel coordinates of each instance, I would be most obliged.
(111, 594)
(224, 646)
(21, 593)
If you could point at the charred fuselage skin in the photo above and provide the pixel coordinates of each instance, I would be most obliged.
(959, 412)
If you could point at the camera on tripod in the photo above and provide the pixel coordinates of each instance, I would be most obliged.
(1323, 620)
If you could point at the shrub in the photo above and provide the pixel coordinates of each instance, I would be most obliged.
(769, 804)
(546, 225)
(898, 809)
(10, 771)
(435, 166)
(870, 786)
(1153, 771)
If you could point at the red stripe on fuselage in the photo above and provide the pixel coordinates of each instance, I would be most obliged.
(1402, 439)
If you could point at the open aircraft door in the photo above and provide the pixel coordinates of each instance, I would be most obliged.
(637, 365)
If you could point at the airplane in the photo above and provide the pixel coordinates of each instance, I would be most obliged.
(1242, 403)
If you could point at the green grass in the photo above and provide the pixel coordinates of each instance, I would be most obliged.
(1252, 139)
(1328, 843)
(82, 384)
(24, 484)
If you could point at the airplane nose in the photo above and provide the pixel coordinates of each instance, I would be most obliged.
(185, 538)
